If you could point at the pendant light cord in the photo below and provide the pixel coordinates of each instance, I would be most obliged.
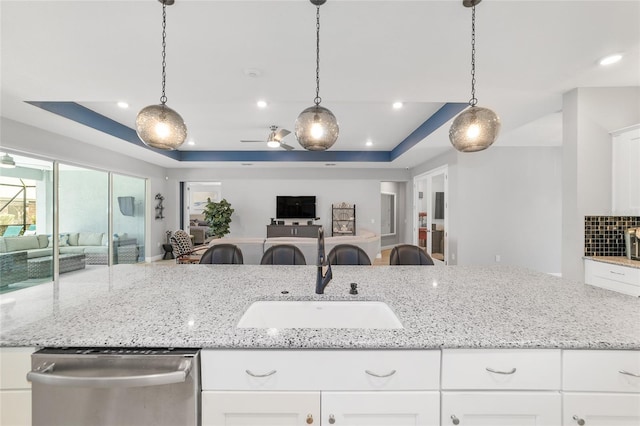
(163, 98)
(473, 101)
(318, 99)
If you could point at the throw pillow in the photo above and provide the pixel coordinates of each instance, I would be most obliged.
(63, 240)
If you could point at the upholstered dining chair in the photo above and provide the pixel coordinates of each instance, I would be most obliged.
(283, 254)
(183, 249)
(222, 254)
(348, 254)
(407, 254)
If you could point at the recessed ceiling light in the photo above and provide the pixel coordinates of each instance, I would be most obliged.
(261, 104)
(369, 143)
(611, 59)
(191, 143)
(397, 105)
(123, 105)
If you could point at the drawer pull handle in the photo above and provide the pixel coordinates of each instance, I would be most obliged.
(491, 370)
(252, 374)
(371, 373)
(627, 373)
(332, 419)
(455, 420)
(617, 273)
(309, 419)
(579, 420)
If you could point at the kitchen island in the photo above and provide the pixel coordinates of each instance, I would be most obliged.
(503, 345)
(200, 306)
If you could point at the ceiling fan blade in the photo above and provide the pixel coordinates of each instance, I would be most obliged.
(281, 133)
(285, 146)
(252, 141)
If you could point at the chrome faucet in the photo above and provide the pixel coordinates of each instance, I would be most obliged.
(324, 267)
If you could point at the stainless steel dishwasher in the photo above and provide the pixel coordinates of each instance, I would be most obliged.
(115, 386)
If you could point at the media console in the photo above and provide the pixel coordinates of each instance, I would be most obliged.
(306, 231)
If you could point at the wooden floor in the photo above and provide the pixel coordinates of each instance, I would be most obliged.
(384, 260)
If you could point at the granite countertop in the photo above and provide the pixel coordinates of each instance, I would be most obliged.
(616, 260)
(199, 306)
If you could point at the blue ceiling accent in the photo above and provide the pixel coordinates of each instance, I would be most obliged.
(83, 115)
(440, 117)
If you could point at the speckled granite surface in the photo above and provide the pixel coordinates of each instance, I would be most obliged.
(616, 260)
(200, 305)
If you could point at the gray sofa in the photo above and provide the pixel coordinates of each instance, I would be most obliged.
(17, 252)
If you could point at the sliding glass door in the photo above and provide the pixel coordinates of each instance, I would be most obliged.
(100, 221)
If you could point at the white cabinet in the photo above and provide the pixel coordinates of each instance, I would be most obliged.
(240, 408)
(300, 387)
(625, 177)
(501, 387)
(15, 391)
(381, 408)
(623, 279)
(501, 408)
(601, 388)
(260, 408)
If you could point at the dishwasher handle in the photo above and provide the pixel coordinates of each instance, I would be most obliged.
(43, 376)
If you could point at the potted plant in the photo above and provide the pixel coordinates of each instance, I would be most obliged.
(218, 217)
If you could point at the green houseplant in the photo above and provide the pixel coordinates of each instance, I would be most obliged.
(218, 217)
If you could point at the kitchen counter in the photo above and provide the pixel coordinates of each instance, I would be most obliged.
(200, 305)
(616, 260)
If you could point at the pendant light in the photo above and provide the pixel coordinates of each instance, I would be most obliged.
(476, 128)
(158, 126)
(316, 127)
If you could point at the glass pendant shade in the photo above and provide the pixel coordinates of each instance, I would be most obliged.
(317, 128)
(474, 129)
(158, 126)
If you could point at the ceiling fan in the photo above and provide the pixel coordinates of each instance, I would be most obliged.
(274, 140)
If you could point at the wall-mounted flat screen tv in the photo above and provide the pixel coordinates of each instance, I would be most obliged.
(301, 207)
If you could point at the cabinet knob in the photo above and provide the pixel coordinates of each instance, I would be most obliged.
(455, 420)
(578, 420)
(332, 419)
(309, 419)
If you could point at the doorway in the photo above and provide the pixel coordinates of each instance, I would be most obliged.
(430, 230)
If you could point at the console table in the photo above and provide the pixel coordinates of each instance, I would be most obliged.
(307, 231)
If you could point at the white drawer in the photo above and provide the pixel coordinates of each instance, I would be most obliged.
(488, 369)
(320, 369)
(588, 370)
(613, 277)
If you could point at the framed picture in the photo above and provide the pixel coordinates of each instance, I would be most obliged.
(199, 199)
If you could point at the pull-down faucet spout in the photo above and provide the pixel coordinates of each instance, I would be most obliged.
(324, 267)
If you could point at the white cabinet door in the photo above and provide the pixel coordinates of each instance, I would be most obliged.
(501, 408)
(15, 408)
(15, 391)
(601, 409)
(626, 173)
(381, 408)
(260, 408)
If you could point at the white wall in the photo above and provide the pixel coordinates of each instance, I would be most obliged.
(589, 115)
(503, 201)
(252, 192)
(509, 204)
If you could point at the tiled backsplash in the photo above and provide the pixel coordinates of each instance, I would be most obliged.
(604, 235)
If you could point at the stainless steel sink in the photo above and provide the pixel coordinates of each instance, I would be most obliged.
(319, 314)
